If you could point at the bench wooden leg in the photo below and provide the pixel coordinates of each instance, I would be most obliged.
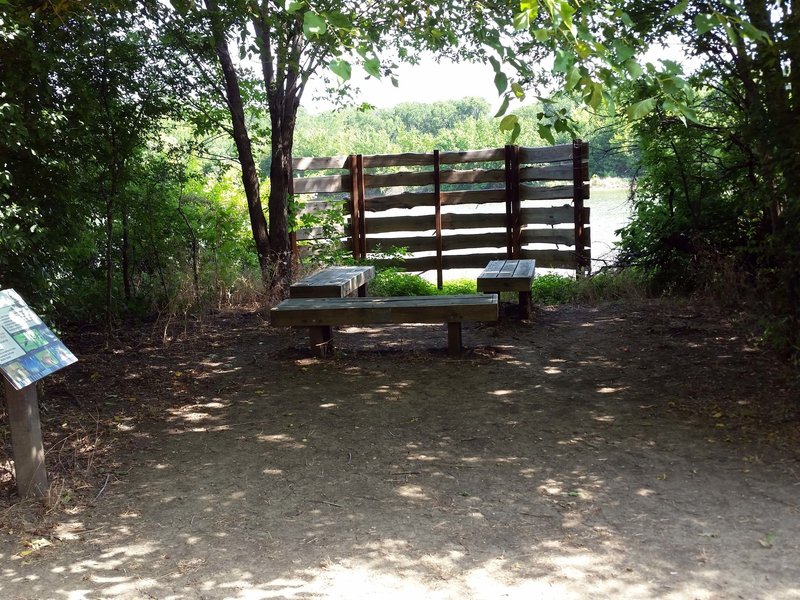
(454, 338)
(320, 338)
(362, 291)
(525, 305)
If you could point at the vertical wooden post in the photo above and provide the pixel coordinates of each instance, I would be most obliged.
(454, 345)
(437, 198)
(509, 195)
(294, 250)
(26, 440)
(362, 209)
(355, 206)
(577, 202)
(516, 236)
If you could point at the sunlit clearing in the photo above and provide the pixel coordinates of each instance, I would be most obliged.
(273, 471)
(412, 492)
(604, 418)
(611, 390)
(328, 405)
(502, 392)
(587, 325)
(645, 493)
(552, 370)
(281, 438)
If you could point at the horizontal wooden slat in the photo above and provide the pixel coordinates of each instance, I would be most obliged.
(320, 162)
(549, 192)
(562, 152)
(555, 215)
(328, 183)
(409, 178)
(487, 155)
(415, 199)
(561, 172)
(427, 243)
(405, 309)
(546, 259)
(551, 215)
(309, 208)
(332, 282)
(445, 158)
(565, 237)
(404, 200)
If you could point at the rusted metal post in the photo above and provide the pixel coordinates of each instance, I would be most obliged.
(26, 440)
(437, 198)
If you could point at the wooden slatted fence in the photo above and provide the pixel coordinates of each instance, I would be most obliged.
(457, 210)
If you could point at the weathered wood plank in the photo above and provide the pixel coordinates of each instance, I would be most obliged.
(449, 242)
(561, 152)
(552, 173)
(507, 276)
(468, 156)
(549, 192)
(328, 183)
(564, 237)
(313, 312)
(332, 282)
(552, 215)
(415, 199)
(548, 259)
(416, 178)
(317, 163)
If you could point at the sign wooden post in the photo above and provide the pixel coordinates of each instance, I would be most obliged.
(29, 351)
(26, 440)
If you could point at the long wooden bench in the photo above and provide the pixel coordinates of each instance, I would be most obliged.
(510, 276)
(320, 314)
(334, 282)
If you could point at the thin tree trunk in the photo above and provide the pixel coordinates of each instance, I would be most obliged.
(250, 179)
(126, 255)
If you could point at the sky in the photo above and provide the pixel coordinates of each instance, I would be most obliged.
(428, 81)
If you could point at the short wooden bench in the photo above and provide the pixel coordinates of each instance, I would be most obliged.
(510, 276)
(319, 314)
(334, 282)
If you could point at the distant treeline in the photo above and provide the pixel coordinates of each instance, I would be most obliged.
(452, 125)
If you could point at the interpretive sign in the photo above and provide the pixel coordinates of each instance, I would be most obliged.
(28, 349)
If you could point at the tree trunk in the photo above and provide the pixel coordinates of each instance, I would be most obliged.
(126, 255)
(250, 179)
(279, 176)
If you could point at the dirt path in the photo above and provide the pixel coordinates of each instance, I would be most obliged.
(624, 451)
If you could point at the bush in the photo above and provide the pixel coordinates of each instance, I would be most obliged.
(554, 289)
(393, 282)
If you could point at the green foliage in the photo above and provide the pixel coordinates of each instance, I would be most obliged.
(393, 282)
(553, 289)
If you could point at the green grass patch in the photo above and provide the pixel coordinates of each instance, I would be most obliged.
(554, 289)
(393, 282)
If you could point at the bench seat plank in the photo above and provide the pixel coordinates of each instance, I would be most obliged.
(319, 314)
(333, 282)
(363, 311)
(509, 276)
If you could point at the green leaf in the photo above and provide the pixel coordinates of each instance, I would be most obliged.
(546, 133)
(753, 33)
(641, 109)
(508, 122)
(679, 9)
(532, 5)
(624, 52)
(501, 82)
(341, 68)
(515, 132)
(595, 96)
(703, 23)
(495, 64)
(633, 68)
(503, 107)
(339, 20)
(522, 20)
(563, 61)
(573, 77)
(626, 19)
(373, 67)
(292, 6)
(518, 91)
(542, 35)
(313, 25)
(566, 11)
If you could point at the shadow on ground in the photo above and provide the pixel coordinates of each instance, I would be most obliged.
(613, 452)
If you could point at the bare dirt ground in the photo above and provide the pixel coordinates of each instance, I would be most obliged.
(624, 451)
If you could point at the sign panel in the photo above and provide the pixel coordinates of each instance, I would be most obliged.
(28, 349)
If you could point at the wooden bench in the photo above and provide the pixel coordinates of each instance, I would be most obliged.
(319, 314)
(334, 282)
(510, 276)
